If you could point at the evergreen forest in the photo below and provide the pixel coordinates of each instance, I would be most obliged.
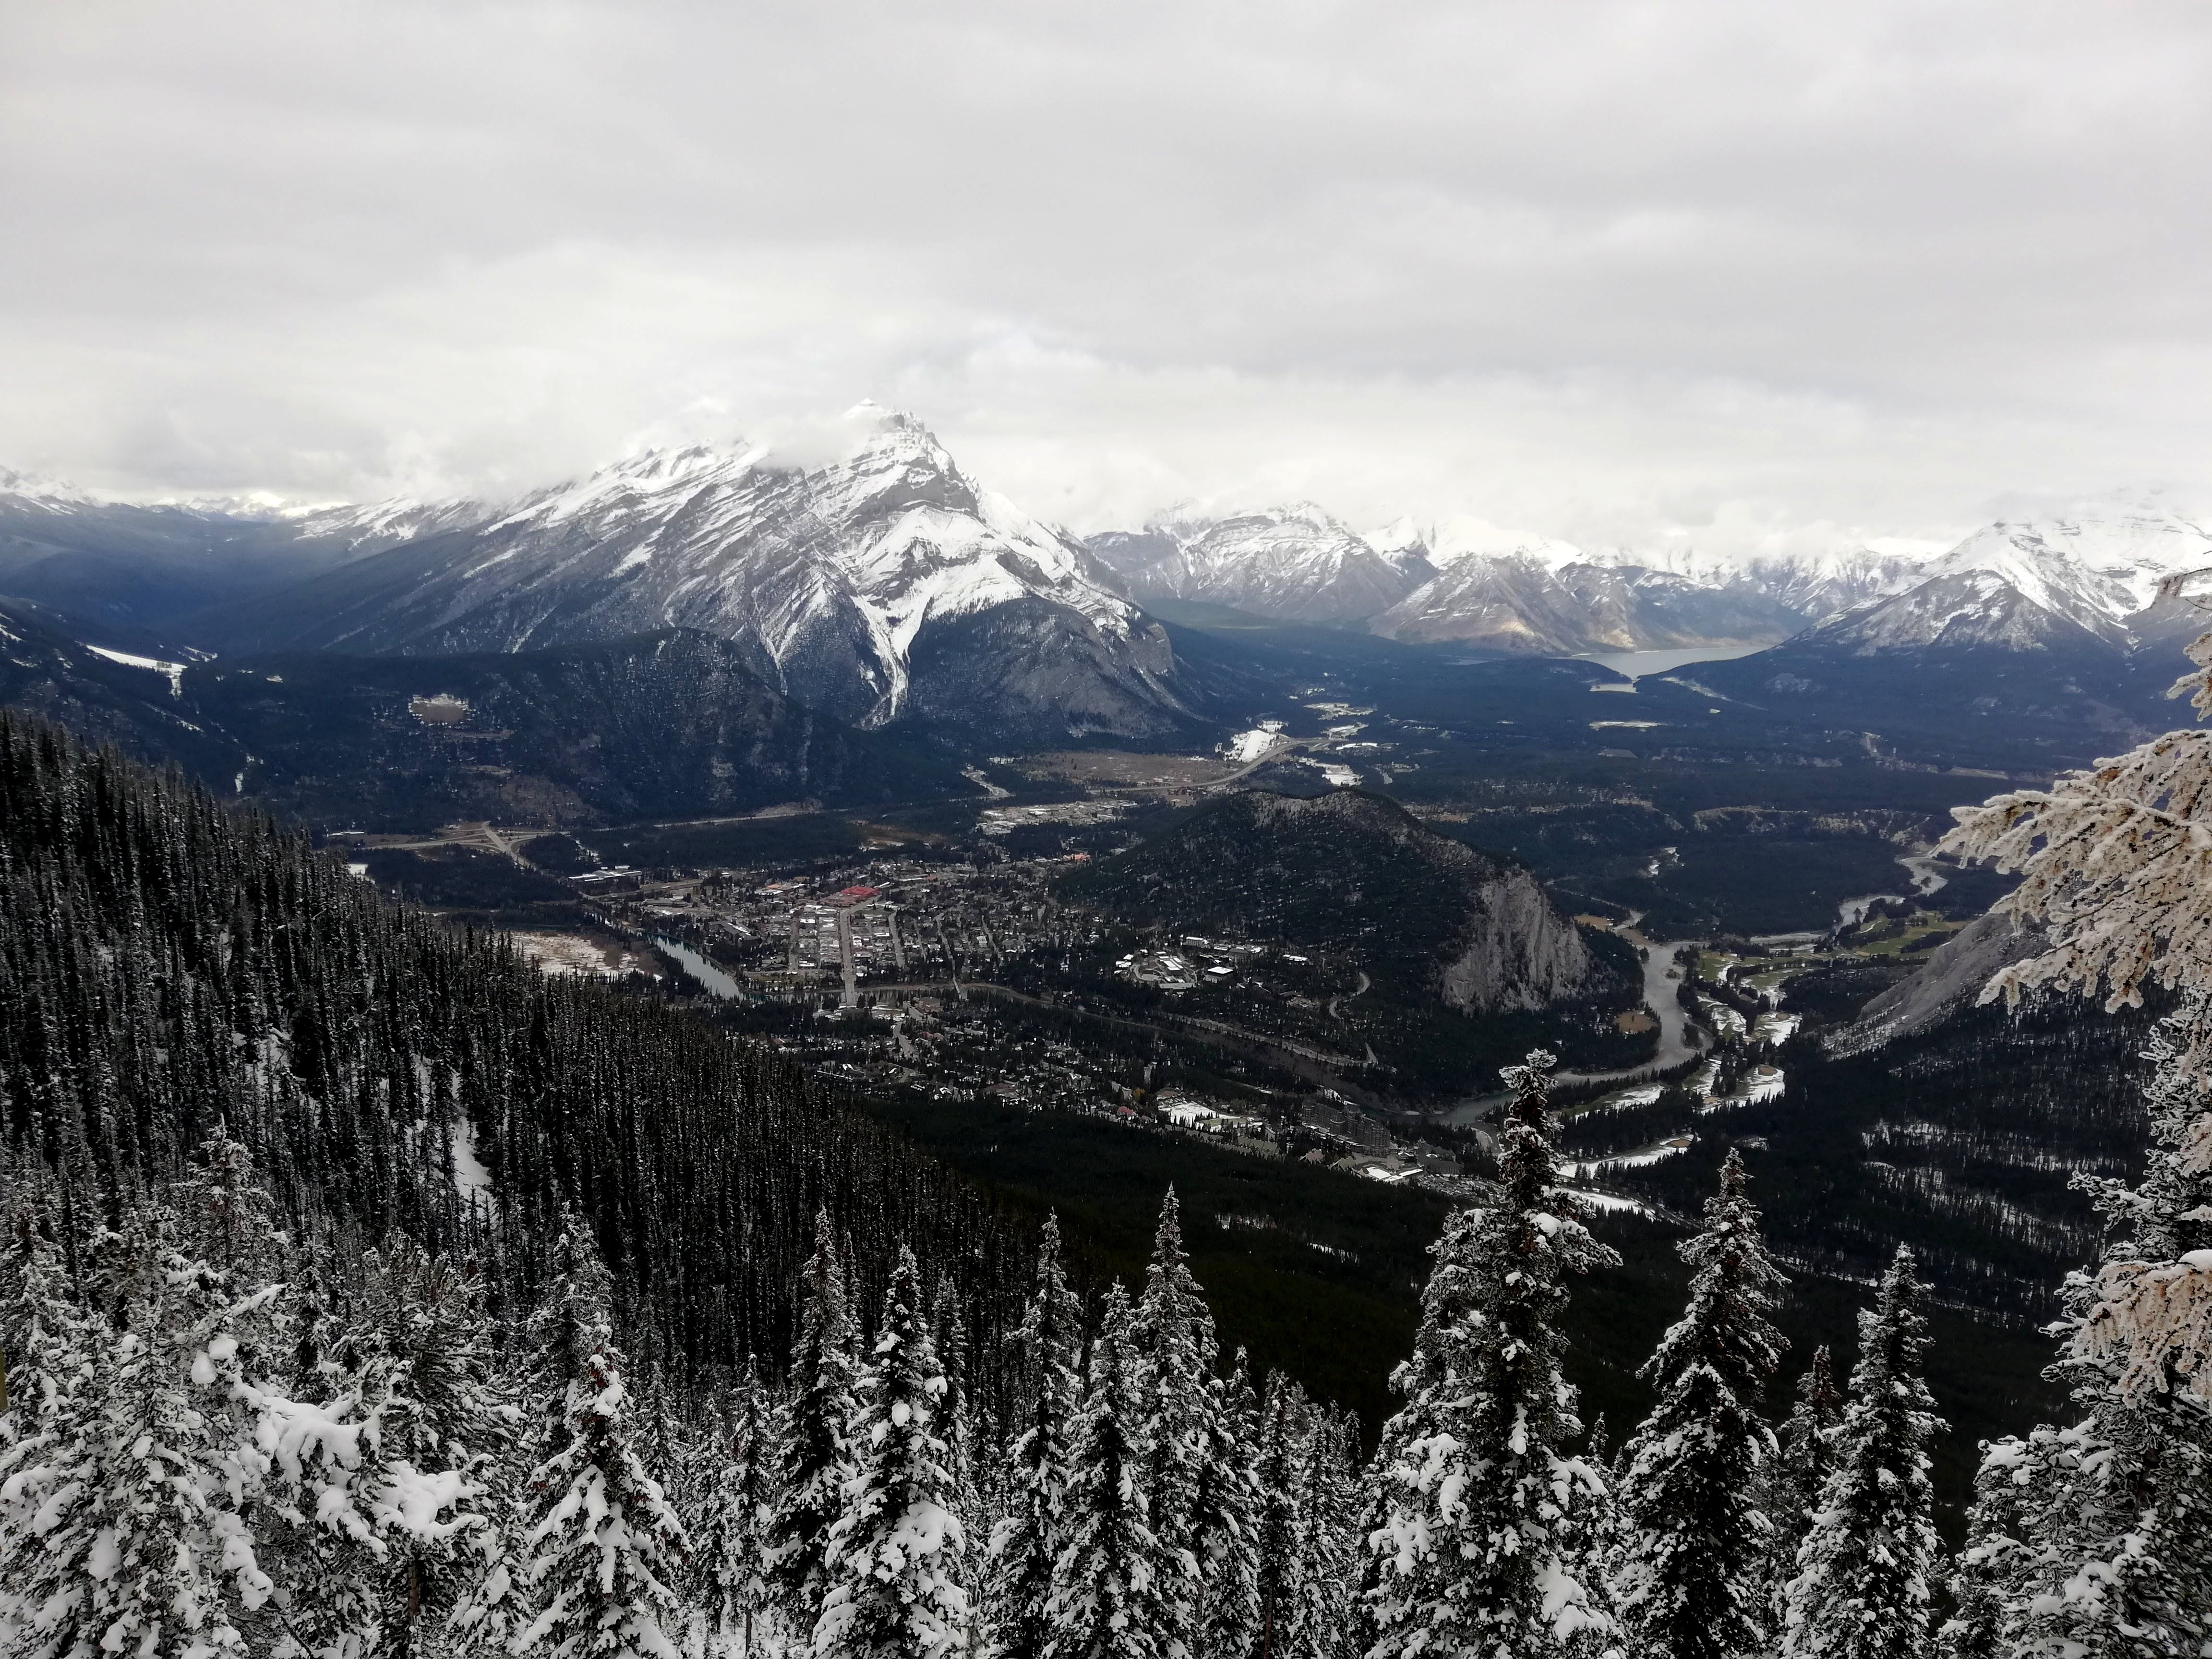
(365, 1291)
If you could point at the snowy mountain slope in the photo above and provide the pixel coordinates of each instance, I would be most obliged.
(1291, 564)
(1526, 602)
(880, 586)
(2068, 582)
(130, 570)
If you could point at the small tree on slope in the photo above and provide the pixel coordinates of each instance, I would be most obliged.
(602, 1542)
(896, 1555)
(733, 1534)
(2096, 1539)
(1693, 1584)
(1477, 1548)
(1866, 1572)
(1025, 1541)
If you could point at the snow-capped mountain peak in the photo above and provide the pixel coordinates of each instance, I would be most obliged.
(879, 585)
(1296, 563)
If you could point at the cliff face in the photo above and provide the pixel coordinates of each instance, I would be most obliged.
(1518, 951)
(1950, 979)
(1429, 918)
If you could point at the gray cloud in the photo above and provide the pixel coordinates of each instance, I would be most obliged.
(1606, 270)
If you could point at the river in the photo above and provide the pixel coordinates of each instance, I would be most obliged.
(1927, 877)
(714, 979)
(1662, 980)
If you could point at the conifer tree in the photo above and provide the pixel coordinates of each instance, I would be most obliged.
(1278, 1566)
(1804, 1457)
(1107, 1598)
(1026, 1540)
(2096, 1537)
(897, 1554)
(1480, 1539)
(1692, 1585)
(151, 1472)
(445, 1439)
(1866, 1571)
(811, 1450)
(1174, 1348)
(1224, 1510)
(1327, 1623)
(602, 1544)
(733, 1533)
(49, 1441)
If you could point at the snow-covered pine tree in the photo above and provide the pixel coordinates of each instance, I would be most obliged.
(2096, 1537)
(948, 1329)
(810, 1453)
(601, 1544)
(1278, 1566)
(1478, 1545)
(1025, 1541)
(732, 1534)
(1175, 1349)
(2116, 865)
(1690, 1583)
(1225, 1511)
(441, 1447)
(1866, 1572)
(1107, 1598)
(48, 1341)
(146, 1534)
(1327, 1623)
(898, 1555)
(1804, 1456)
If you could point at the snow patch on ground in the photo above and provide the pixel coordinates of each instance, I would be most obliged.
(174, 671)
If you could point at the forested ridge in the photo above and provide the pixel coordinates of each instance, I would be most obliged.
(365, 1292)
(167, 965)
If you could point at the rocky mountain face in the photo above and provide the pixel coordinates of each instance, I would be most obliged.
(884, 586)
(659, 725)
(2050, 585)
(654, 726)
(1523, 602)
(1428, 917)
(1291, 564)
(2058, 628)
(2072, 580)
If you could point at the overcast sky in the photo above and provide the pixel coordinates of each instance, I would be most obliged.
(1728, 272)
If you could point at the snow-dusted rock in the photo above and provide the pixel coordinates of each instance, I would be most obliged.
(1292, 563)
(883, 585)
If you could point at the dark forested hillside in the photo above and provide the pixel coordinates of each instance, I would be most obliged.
(166, 967)
(1430, 919)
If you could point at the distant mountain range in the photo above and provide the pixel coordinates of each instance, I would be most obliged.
(888, 588)
(2065, 582)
